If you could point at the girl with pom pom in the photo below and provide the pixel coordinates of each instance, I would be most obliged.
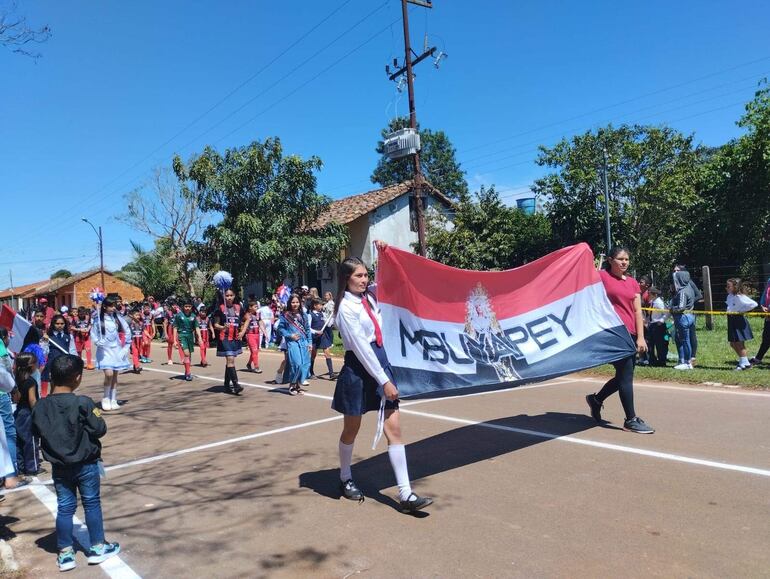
(111, 355)
(226, 320)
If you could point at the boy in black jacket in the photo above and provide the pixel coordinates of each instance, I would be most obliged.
(70, 427)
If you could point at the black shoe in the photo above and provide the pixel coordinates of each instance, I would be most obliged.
(248, 367)
(188, 377)
(596, 407)
(415, 503)
(236, 388)
(351, 491)
(638, 425)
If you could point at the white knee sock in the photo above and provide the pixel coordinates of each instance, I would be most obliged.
(114, 393)
(744, 361)
(346, 457)
(397, 455)
(107, 391)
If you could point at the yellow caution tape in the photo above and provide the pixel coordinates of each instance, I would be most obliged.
(712, 312)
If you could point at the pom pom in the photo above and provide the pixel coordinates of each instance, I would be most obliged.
(97, 295)
(223, 280)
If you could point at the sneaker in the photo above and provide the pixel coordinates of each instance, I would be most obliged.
(415, 503)
(351, 491)
(100, 553)
(257, 370)
(638, 425)
(188, 377)
(249, 368)
(683, 366)
(293, 390)
(755, 361)
(596, 407)
(90, 367)
(740, 367)
(236, 388)
(106, 404)
(66, 559)
(305, 383)
(170, 363)
(137, 369)
(114, 405)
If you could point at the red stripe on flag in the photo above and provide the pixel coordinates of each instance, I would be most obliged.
(440, 292)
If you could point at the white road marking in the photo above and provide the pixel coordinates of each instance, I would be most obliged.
(595, 444)
(115, 566)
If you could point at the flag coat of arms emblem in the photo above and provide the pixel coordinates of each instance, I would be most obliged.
(448, 330)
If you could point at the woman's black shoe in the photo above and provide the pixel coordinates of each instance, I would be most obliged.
(595, 406)
(351, 491)
(415, 503)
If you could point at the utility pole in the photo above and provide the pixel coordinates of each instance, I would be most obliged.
(407, 68)
(101, 249)
(606, 204)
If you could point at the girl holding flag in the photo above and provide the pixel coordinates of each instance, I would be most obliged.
(366, 381)
(293, 327)
(226, 320)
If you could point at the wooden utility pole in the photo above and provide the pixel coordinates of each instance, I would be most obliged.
(708, 300)
(409, 63)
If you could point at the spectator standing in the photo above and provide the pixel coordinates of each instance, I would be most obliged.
(764, 303)
(682, 305)
(738, 328)
(656, 329)
(266, 319)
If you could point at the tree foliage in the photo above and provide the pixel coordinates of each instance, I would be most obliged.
(152, 271)
(61, 274)
(487, 234)
(652, 174)
(17, 35)
(166, 211)
(437, 159)
(268, 203)
(733, 217)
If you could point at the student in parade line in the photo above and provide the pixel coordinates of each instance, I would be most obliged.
(70, 427)
(148, 334)
(48, 311)
(185, 330)
(28, 447)
(294, 328)
(366, 381)
(656, 329)
(111, 355)
(136, 325)
(682, 305)
(250, 329)
(81, 330)
(764, 303)
(158, 316)
(266, 318)
(169, 312)
(322, 337)
(203, 327)
(60, 342)
(738, 328)
(624, 294)
(226, 320)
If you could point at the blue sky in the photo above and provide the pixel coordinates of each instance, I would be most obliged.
(122, 86)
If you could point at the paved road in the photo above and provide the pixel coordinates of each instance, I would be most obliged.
(203, 484)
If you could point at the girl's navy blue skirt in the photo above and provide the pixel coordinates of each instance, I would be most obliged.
(323, 341)
(357, 392)
(229, 348)
(738, 329)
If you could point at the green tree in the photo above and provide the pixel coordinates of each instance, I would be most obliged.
(437, 159)
(653, 175)
(269, 206)
(487, 234)
(733, 217)
(61, 274)
(152, 271)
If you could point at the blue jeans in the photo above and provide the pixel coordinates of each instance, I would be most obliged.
(685, 330)
(6, 411)
(68, 480)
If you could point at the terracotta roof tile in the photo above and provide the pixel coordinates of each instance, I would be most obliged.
(349, 209)
(19, 290)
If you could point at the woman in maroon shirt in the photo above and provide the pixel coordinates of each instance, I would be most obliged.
(625, 296)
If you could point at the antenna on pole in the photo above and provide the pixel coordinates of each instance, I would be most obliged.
(406, 142)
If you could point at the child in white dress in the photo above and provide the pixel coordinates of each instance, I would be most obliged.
(111, 354)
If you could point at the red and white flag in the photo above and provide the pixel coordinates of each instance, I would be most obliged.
(447, 329)
(17, 327)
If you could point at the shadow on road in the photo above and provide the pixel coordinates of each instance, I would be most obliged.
(448, 450)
